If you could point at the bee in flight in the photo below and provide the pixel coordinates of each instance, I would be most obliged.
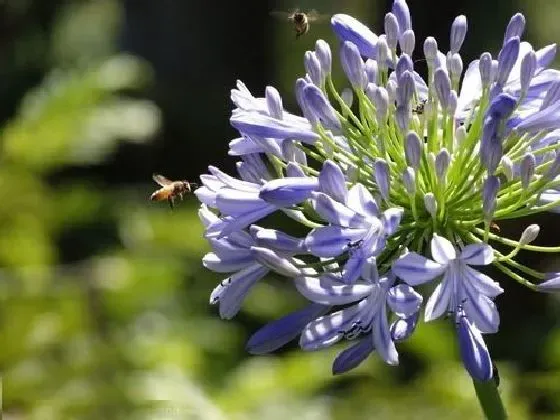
(301, 21)
(170, 189)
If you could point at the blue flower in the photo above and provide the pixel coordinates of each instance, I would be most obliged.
(460, 285)
(367, 316)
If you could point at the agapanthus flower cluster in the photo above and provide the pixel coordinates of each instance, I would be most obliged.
(398, 180)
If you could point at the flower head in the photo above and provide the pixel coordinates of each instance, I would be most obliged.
(408, 189)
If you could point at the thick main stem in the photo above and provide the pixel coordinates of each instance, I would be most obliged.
(490, 400)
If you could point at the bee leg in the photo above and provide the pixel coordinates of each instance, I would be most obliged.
(181, 196)
(170, 200)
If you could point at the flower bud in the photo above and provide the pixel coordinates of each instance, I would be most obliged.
(460, 134)
(300, 98)
(442, 86)
(529, 234)
(455, 66)
(391, 31)
(528, 68)
(321, 107)
(458, 32)
(452, 103)
(347, 96)
(273, 102)
(489, 195)
(371, 70)
(443, 159)
(405, 89)
(506, 59)
(392, 90)
(409, 180)
(430, 49)
(413, 149)
(515, 27)
(527, 169)
(293, 170)
(404, 63)
(381, 101)
(382, 54)
(507, 167)
(485, 68)
(403, 114)
(408, 41)
(353, 65)
(400, 10)
(323, 53)
(313, 67)
(430, 203)
(382, 176)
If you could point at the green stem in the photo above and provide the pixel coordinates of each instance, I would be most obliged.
(490, 400)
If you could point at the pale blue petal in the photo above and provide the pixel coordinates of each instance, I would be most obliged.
(276, 262)
(551, 285)
(416, 269)
(438, 303)
(391, 219)
(545, 56)
(285, 192)
(329, 329)
(231, 224)
(206, 196)
(350, 29)
(281, 331)
(234, 202)
(243, 146)
(354, 266)
(442, 249)
(227, 265)
(352, 357)
(403, 300)
(331, 241)
(231, 291)
(369, 270)
(232, 182)
(477, 254)
(361, 201)
(337, 213)
(277, 240)
(382, 339)
(481, 282)
(481, 310)
(206, 216)
(328, 291)
(256, 124)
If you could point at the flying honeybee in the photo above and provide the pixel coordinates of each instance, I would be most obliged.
(170, 189)
(301, 21)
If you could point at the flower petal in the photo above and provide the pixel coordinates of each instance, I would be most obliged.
(481, 282)
(285, 192)
(328, 291)
(442, 249)
(382, 339)
(438, 303)
(337, 213)
(391, 219)
(361, 201)
(352, 357)
(231, 291)
(477, 254)
(474, 352)
(275, 261)
(331, 241)
(404, 300)
(416, 269)
(551, 285)
(227, 265)
(277, 240)
(231, 224)
(481, 310)
(329, 329)
(234, 202)
(281, 331)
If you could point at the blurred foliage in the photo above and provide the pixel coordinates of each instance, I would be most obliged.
(105, 303)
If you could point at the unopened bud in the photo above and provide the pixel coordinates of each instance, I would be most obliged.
(529, 234)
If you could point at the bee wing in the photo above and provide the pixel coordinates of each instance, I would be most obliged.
(161, 180)
(283, 15)
(314, 16)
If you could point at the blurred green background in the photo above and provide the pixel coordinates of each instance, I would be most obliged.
(104, 311)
